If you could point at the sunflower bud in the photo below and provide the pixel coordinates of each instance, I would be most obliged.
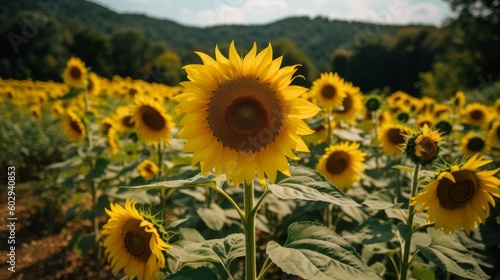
(422, 147)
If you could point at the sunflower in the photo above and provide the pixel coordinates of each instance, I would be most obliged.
(442, 111)
(352, 104)
(133, 243)
(422, 147)
(425, 119)
(474, 143)
(496, 107)
(94, 86)
(391, 138)
(459, 100)
(36, 112)
(57, 108)
(372, 102)
(328, 90)
(494, 134)
(151, 121)
(444, 127)
(124, 119)
(112, 143)
(476, 114)
(75, 74)
(460, 196)
(242, 116)
(148, 169)
(73, 126)
(341, 164)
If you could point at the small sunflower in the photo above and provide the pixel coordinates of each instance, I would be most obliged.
(496, 108)
(460, 196)
(423, 147)
(36, 112)
(73, 126)
(474, 143)
(425, 119)
(124, 119)
(328, 90)
(476, 114)
(148, 169)
(242, 116)
(151, 121)
(75, 73)
(372, 103)
(133, 243)
(494, 134)
(352, 104)
(94, 85)
(391, 138)
(459, 100)
(112, 143)
(57, 108)
(342, 164)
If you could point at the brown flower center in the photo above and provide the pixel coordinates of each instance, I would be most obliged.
(328, 91)
(337, 162)
(137, 240)
(75, 73)
(152, 118)
(127, 121)
(395, 137)
(477, 115)
(475, 144)
(430, 149)
(245, 115)
(132, 92)
(346, 104)
(75, 126)
(498, 132)
(456, 195)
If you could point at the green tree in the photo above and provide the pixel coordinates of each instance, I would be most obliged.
(95, 49)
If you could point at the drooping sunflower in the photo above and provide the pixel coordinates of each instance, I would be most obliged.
(73, 126)
(133, 243)
(494, 134)
(352, 104)
(391, 138)
(422, 147)
(328, 90)
(151, 121)
(474, 143)
(75, 73)
(242, 116)
(460, 196)
(342, 164)
(476, 114)
(148, 169)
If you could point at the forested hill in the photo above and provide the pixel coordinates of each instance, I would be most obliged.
(310, 42)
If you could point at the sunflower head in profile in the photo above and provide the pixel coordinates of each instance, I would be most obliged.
(474, 143)
(148, 169)
(460, 196)
(75, 73)
(133, 243)
(422, 147)
(151, 122)
(73, 126)
(241, 116)
(342, 164)
(494, 134)
(476, 114)
(328, 90)
(391, 138)
(351, 105)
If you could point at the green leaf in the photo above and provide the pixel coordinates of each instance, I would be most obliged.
(405, 230)
(213, 216)
(307, 184)
(380, 200)
(313, 251)
(222, 251)
(405, 168)
(198, 180)
(422, 273)
(201, 273)
(375, 231)
(450, 255)
(99, 169)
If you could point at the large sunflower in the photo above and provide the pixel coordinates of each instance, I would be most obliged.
(474, 143)
(328, 90)
(352, 104)
(73, 126)
(151, 121)
(75, 73)
(133, 243)
(460, 196)
(242, 116)
(391, 138)
(476, 114)
(341, 164)
(148, 169)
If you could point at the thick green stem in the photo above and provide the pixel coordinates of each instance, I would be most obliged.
(375, 135)
(329, 126)
(249, 228)
(160, 175)
(411, 212)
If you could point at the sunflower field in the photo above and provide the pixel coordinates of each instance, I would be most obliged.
(238, 173)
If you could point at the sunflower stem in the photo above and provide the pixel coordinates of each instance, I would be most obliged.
(411, 211)
(329, 126)
(249, 229)
(375, 133)
(160, 175)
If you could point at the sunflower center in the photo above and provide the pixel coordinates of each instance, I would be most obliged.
(75, 73)
(127, 121)
(444, 127)
(337, 162)
(132, 92)
(134, 243)
(430, 149)
(372, 104)
(328, 91)
(245, 115)
(456, 195)
(498, 132)
(152, 118)
(75, 126)
(475, 144)
(346, 104)
(477, 115)
(394, 135)
(403, 117)
(149, 169)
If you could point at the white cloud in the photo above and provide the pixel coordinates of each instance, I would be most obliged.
(221, 15)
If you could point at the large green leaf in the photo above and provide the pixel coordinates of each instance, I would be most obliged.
(222, 251)
(213, 216)
(313, 251)
(201, 273)
(380, 200)
(198, 180)
(307, 184)
(450, 255)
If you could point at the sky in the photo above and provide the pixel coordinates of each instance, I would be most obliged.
(202, 13)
